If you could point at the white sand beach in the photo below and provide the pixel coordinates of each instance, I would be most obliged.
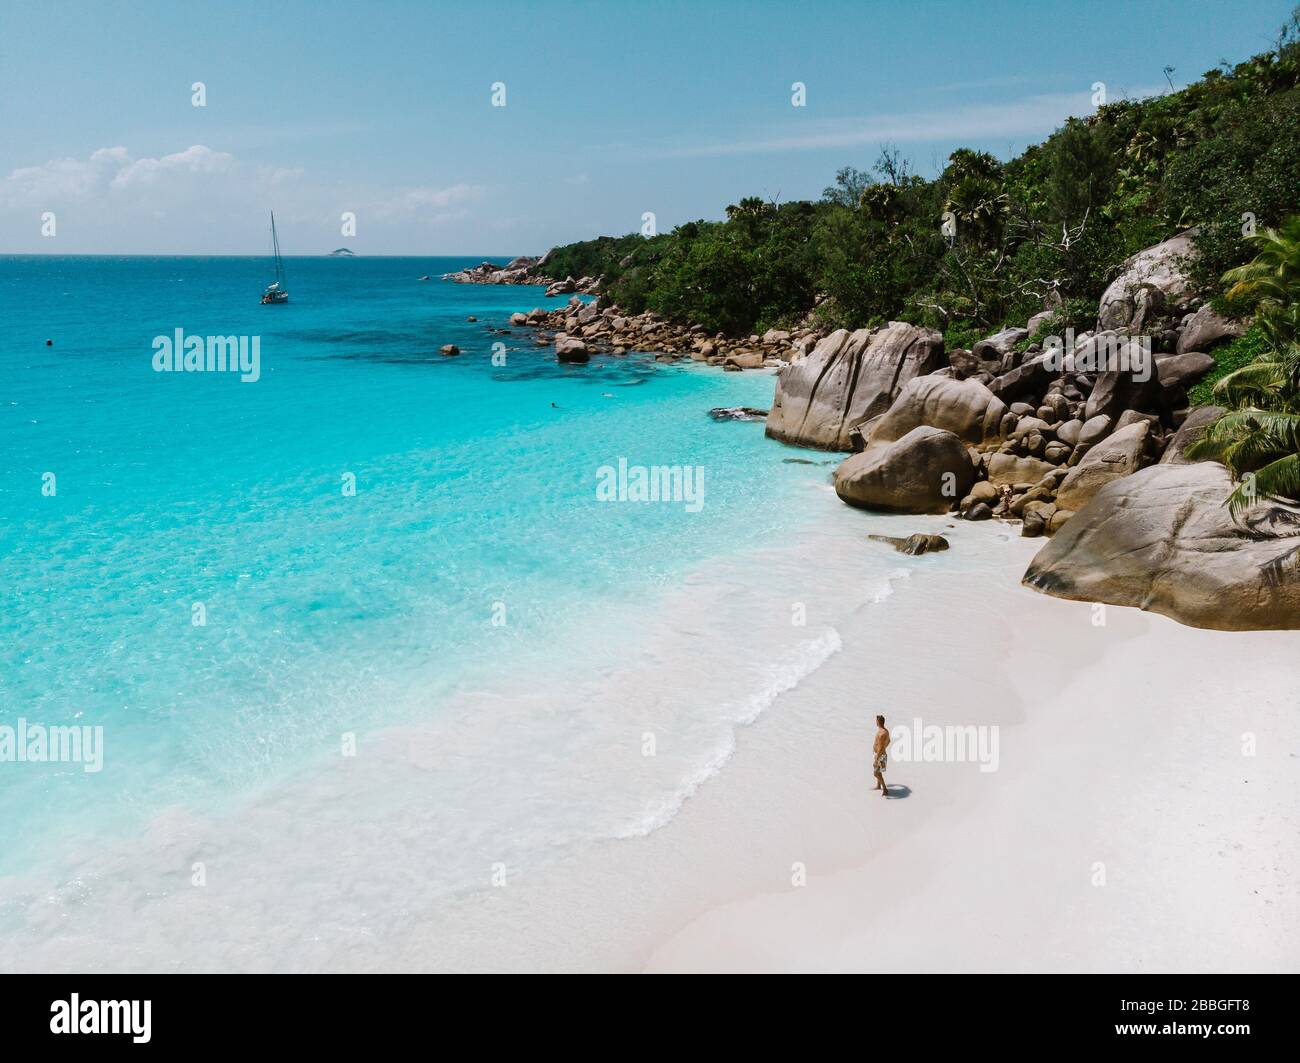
(1122, 746)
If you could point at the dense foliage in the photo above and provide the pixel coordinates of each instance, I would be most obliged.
(987, 243)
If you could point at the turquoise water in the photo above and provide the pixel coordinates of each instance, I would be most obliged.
(326, 613)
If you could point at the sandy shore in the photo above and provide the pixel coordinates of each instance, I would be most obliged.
(1124, 829)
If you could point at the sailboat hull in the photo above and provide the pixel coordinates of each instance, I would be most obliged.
(275, 297)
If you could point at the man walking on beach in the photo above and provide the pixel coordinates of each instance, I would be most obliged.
(881, 759)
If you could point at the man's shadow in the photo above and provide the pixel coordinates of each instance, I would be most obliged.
(897, 792)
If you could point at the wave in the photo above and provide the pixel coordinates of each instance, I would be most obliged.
(782, 677)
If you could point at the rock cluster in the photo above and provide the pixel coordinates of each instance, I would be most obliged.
(608, 330)
(525, 270)
(569, 286)
(516, 271)
(1043, 430)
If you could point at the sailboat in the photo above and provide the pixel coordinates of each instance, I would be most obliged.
(275, 292)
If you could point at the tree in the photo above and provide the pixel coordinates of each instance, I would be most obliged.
(849, 185)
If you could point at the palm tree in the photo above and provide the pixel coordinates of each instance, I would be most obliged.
(1259, 438)
(1273, 278)
(1261, 448)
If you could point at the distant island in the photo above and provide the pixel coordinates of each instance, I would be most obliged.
(344, 251)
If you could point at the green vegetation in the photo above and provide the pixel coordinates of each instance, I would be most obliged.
(1228, 358)
(1050, 227)
(1259, 438)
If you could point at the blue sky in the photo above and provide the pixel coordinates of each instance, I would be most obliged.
(612, 109)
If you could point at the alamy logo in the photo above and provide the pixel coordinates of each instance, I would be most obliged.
(952, 744)
(1107, 352)
(34, 743)
(179, 353)
(102, 1016)
(651, 483)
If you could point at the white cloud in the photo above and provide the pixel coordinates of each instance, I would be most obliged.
(196, 159)
(129, 201)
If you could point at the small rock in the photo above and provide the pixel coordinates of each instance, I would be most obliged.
(914, 544)
(737, 413)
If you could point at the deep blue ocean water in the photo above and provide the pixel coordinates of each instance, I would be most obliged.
(325, 612)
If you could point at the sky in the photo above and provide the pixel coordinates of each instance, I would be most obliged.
(385, 110)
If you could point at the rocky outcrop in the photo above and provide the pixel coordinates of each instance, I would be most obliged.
(847, 379)
(1163, 540)
(516, 271)
(1119, 455)
(964, 407)
(926, 471)
(524, 270)
(1152, 289)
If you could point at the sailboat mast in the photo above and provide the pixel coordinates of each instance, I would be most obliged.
(275, 244)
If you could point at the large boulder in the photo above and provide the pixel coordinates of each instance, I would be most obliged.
(1163, 540)
(965, 408)
(1188, 432)
(926, 471)
(994, 348)
(569, 349)
(848, 378)
(1183, 370)
(1152, 289)
(1122, 454)
(1206, 328)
